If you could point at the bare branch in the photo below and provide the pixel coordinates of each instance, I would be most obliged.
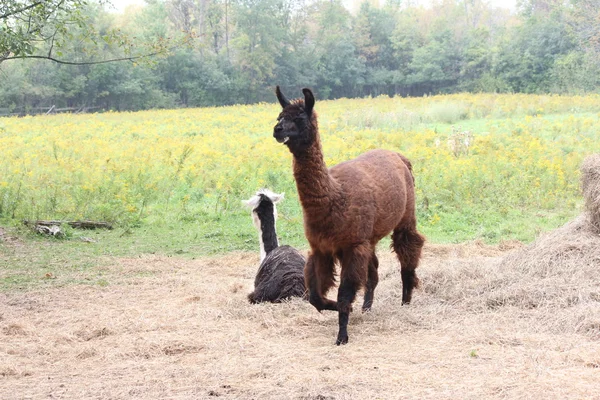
(83, 62)
(52, 43)
(15, 12)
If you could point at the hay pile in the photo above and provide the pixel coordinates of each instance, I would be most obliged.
(561, 268)
(574, 246)
(568, 250)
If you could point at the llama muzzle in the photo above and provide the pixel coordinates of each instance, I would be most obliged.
(282, 140)
(278, 134)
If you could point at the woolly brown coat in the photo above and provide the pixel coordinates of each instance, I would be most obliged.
(361, 202)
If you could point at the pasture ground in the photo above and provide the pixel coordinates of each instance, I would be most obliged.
(178, 328)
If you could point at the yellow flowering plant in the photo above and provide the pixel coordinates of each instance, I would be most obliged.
(483, 163)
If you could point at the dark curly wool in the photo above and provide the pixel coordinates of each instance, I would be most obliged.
(279, 277)
(281, 272)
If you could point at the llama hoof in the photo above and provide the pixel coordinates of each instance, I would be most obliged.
(341, 340)
(366, 307)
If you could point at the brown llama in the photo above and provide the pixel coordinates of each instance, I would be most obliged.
(347, 210)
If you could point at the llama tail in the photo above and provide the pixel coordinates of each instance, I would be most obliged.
(408, 164)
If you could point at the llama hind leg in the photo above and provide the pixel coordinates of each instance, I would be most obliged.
(372, 281)
(354, 274)
(319, 278)
(407, 244)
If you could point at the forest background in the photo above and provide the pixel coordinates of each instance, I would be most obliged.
(234, 51)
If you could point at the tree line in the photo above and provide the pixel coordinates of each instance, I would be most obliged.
(220, 52)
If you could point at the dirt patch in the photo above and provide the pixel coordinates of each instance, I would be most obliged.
(8, 239)
(87, 334)
(14, 330)
(183, 329)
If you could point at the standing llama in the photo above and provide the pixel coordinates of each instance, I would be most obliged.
(280, 275)
(347, 210)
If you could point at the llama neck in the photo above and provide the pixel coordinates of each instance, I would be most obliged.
(267, 234)
(316, 188)
(268, 240)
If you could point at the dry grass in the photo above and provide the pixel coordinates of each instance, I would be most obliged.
(186, 331)
(569, 255)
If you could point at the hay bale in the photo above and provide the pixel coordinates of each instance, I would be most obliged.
(590, 184)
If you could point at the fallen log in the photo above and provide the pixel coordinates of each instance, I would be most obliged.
(73, 224)
(90, 225)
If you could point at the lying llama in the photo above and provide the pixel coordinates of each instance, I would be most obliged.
(280, 275)
(347, 210)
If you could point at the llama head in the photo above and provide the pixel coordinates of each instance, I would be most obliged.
(297, 123)
(263, 206)
(264, 216)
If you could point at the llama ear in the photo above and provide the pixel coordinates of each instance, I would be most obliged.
(252, 202)
(282, 100)
(309, 100)
(277, 197)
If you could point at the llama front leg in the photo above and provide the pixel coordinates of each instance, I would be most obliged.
(354, 274)
(319, 278)
(372, 281)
